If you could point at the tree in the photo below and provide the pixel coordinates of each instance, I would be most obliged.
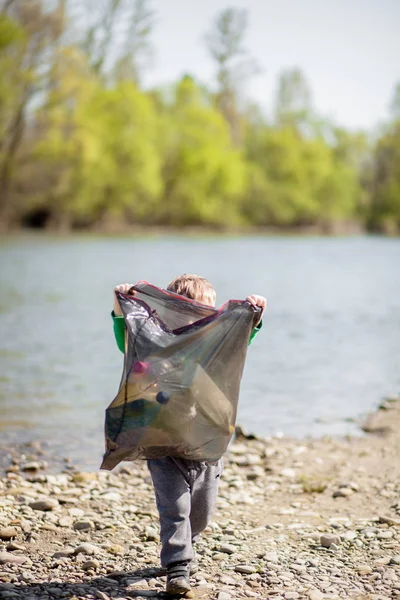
(116, 39)
(385, 199)
(138, 50)
(234, 64)
(293, 101)
(109, 165)
(29, 31)
(204, 175)
(384, 183)
(296, 181)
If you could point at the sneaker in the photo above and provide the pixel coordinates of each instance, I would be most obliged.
(178, 578)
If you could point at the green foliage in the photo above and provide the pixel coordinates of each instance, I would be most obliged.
(298, 181)
(81, 144)
(109, 164)
(204, 175)
(385, 203)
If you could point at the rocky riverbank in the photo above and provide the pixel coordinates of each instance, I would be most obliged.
(317, 519)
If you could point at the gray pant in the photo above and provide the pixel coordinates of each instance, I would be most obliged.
(186, 495)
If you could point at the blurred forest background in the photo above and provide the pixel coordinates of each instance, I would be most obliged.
(84, 145)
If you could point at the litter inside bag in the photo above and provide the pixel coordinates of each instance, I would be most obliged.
(180, 384)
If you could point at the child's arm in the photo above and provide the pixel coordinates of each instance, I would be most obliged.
(118, 319)
(260, 301)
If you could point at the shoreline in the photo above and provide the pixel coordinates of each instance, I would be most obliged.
(308, 519)
(350, 229)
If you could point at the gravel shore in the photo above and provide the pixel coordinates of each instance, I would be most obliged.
(311, 519)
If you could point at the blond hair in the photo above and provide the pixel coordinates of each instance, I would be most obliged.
(194, 287)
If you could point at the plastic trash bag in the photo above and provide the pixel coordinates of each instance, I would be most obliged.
(179, 389)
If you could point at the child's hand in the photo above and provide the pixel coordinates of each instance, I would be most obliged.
(259, 301)
(124, 288)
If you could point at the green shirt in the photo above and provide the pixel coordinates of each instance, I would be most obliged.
(119, 331)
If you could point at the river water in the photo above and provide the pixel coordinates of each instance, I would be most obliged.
(328, 352)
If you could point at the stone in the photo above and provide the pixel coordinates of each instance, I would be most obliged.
(224, 596)
(111, 496)
(343, 492)
(349, 536)
(91, 564)
(151, 534)
(101, 595)
(31, 466)
(65, 521)
(395, 560)
(298, 568)
(83, 525)
(389, 520)
(45, 504)
(116, 549)
(227, 549)
(364, 569)
(291, 595)
(7, 533)
(315, 595)
(271, 557)
(12, 546)
(289, 473)
(227, 580)
(384, 535)
(54, 591)
(327, 540)
(88, 549)
(245, 569)
(76, 512)
(12, 559)
(64, 553)
(137, 583)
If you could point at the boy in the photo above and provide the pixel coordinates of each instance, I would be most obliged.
(186, 490)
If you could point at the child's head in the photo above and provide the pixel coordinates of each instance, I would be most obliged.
(194, 287)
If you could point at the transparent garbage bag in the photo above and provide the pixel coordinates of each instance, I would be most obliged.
(179, 389)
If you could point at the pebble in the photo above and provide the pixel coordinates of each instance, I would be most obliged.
(14, 546)
(7, 533)
(9, 558)
(152, 534)
(88, 549)
(389, 520)
(349, 536)
(45, 504)
(227, 549)
(343, 492)
(315, 595)
(101, 595)
(327, 540)
(31, 466)
(384, 535)
(245, 569)
(65, 521)
(364, 569)
(224, 596)
(91, 564)
(83, 525)
(63, 553)
(116, 549)
(91, 543)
